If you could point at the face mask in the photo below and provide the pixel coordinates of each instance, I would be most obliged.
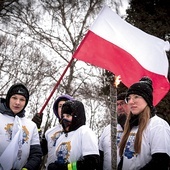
(65, 123)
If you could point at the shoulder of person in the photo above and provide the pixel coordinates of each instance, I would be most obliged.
(106, 130)
(84, 127)
(55, 129)
(27, 121)
(108, 127)
(157, 121)
(85, 130)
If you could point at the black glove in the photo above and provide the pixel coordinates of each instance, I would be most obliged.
(37, 119)
(56, 166)
(52, 166)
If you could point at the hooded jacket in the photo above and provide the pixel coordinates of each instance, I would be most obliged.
(34, 153)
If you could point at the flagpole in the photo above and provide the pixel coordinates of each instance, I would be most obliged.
(55, 87)
(113, 110)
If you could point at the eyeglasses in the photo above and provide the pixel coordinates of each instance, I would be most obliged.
(134, 98)
(121, 103)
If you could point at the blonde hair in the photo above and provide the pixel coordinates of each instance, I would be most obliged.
(144, 117)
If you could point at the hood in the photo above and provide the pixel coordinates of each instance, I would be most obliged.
(60, 98)
(5, 110)
(76, 109)
(17, 89)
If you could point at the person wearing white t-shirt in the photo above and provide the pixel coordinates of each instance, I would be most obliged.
(77, 147)
(19, 139)
(105, 138)
(48, 141)
(145, 144)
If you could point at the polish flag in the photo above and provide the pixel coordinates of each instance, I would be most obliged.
(117, 46)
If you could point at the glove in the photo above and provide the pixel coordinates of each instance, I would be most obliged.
(52, 166)
(37, 119)
(56, 166)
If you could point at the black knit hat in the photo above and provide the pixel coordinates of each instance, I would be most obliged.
(121, 96)
(143, 88)
(17, 89)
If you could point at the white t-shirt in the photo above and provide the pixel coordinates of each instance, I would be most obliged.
(74, 145)
(155, 139)
(51, 136)
(105, 145)
(29, 136)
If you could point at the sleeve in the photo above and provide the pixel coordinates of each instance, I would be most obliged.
(103, 137)
(159, 136)
(90, 162)
(104, 146)
(101, 159)
(158, 161)
(35, 154)
(44, 146)
(159, 139)
(89, 142)
(101, 142)
(90, 150)
(101, 150)
(35, 139)
(34, 159)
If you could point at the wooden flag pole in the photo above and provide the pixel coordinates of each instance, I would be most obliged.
(113, 111)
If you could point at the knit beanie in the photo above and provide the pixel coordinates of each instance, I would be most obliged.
(17, 89)
(121, 96)
(143, 88)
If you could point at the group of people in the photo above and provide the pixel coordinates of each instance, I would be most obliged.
(143, 138)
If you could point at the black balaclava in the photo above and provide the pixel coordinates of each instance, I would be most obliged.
(76, 109)
(17, 89)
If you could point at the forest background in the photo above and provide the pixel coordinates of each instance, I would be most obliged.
(39, 37)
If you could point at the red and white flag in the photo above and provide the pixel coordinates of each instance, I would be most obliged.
(115, 45)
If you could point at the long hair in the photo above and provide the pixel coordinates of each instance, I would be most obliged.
(144, 117)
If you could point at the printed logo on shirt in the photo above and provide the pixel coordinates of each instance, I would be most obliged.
(55, 136)
(22, 138)
(129, 149)
(119, 135)
(63, 152)
(8, 129)
(25, 134)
